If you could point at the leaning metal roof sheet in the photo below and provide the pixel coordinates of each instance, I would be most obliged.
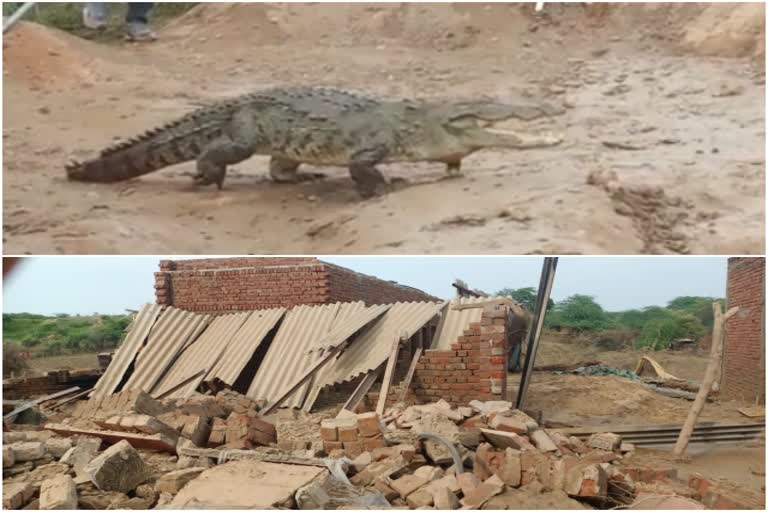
(455, 321)
(125, 354)
(202, 354)
(292, 348)
(288, 355)
(374, 345)
(173, 331)
(244, 343)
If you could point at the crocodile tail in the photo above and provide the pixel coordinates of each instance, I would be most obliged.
(176, 142)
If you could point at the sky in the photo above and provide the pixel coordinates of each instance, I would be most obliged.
(108, 285)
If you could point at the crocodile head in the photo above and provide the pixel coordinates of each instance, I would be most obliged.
(459, 129)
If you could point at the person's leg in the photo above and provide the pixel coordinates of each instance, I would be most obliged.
(137, 21)
(95, 15)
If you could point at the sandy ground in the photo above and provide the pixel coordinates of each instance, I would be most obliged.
(680, 103)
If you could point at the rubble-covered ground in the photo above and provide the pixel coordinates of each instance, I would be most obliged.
(129, 451)
(663, 148)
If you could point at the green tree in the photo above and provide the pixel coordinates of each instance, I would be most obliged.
(525, 296)
(579, 313)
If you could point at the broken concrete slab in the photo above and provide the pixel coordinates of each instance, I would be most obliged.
(100, 500)
(467, 482)
(430, 472)
(28, 450)
(586, 480)
(58, 446)
(58, 493)
(491, 406)
(245, 484)
(156, 442)
(16, 495)
(420, 498)
(501, 439)
(483, 492)
(118, 468)
(407, 484)
(8, 458)
(542, 441)
(604, 441)
(174, 481)
(445, 499)
(80, 455)
(508, 424)
(510, 471)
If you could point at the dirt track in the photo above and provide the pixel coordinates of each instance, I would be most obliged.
(690, 178)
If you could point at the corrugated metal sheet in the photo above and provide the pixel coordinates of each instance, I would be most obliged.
(125, 354)
(289, 355)
(173, 331)
(202, 354)
(373, 347)
(297, 346)
(455, 321)
(244, 343)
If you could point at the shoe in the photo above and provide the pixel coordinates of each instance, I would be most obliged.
(94, 20)
(139, 32)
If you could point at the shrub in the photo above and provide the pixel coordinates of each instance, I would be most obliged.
(13, 359)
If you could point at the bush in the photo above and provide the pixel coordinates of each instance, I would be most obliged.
(525, 296)
(578, 313)
(13, 359)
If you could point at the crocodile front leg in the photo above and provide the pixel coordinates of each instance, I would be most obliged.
(369, 180)
(237, 144)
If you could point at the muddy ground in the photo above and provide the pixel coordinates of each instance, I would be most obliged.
(676, 91)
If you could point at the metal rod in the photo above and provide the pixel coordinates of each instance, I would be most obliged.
(16, 16)
(545, 289)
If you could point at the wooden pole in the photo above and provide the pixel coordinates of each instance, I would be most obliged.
(716, 356)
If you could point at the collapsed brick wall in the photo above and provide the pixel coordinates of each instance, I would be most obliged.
(347, 285)
(474, 367)
(236, 284)
(743, 376)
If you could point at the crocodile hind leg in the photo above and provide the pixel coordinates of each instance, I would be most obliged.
(453, 169)
(285, 170)
(369, 180)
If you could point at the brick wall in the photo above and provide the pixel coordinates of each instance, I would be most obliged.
(346, 285)
(744, 353)
(474, 367)
(234, 284)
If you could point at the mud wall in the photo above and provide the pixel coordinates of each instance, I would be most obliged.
(474, 367)
(744, 354)
(219, 286)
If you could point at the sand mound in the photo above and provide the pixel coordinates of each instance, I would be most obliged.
(41, 56)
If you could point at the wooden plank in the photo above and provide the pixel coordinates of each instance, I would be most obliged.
(411, 372)
(301, 380)
(158, 442)
(757, 411)
(70, 398)
(11, 415)
(482, 304)
(361, 390)
(387, 380)
(213, 453)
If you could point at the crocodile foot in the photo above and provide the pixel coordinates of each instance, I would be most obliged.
(210, 178)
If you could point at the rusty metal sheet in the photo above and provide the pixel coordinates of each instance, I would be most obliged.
(127, 351)
(202, 354)
(372, 348)
(171, 333)
(244, 343)
(455, 321)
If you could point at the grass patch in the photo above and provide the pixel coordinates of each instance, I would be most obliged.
(62, 334)
(68, 16)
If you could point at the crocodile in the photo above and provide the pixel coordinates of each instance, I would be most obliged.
(319, 126)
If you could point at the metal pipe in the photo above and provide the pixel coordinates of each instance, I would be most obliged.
(545, 289)
(16, 16)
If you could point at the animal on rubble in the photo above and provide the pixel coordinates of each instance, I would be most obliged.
(319, 126)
